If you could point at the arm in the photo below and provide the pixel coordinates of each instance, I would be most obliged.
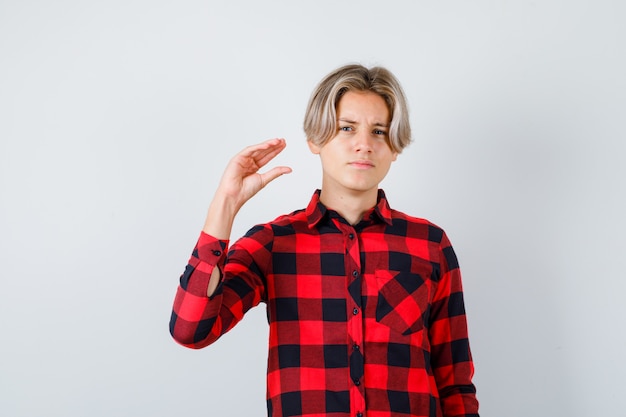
(203, 310)
(240, 182)
(451, 358)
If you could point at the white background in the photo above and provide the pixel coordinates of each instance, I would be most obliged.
(117, 118)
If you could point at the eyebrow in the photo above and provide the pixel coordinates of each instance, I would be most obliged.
(343, 119)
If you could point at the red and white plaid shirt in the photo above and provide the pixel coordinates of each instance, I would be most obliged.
(365, 320)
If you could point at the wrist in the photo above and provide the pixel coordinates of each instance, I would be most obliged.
(220, 217)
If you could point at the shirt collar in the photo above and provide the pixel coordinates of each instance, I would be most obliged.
(316, 211)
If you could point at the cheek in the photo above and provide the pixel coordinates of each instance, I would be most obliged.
(387, 152)
(327, 157)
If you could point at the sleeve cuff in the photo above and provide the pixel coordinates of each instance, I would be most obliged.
(211, 250)
(210, 253)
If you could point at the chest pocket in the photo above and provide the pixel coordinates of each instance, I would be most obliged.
(403, 301)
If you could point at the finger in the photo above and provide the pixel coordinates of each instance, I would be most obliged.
(266, 146)
(272, 174)
(263, 147)
(267, 152)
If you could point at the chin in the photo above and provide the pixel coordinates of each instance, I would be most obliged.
(360, 188)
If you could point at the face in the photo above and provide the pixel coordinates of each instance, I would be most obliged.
(358, 157)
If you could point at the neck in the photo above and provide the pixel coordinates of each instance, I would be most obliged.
(351, 206)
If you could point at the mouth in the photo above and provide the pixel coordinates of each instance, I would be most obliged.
(362, 164)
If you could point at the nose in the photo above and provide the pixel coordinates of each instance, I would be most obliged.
(363, 141)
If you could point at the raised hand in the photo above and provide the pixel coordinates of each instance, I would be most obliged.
(240, 182)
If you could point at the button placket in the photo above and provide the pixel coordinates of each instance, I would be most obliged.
(355, 318)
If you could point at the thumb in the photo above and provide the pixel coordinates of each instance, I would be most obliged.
(272, 174)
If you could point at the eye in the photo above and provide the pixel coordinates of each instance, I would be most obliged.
(345, 128)
(379, 132)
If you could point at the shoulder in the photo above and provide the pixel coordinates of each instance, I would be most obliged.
(282, 225)
(416, 227)
(289, 223)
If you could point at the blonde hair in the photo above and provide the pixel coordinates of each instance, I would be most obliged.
(320, 120)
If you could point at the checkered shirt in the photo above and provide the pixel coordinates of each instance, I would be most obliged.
(364, 321)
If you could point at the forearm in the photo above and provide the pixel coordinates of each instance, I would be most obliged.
(221, 216)
(219, 224)
(192, 307)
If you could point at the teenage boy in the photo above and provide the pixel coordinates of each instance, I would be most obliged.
(365, 304)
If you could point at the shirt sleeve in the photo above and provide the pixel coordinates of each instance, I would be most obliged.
(451, 357)
(198, 320)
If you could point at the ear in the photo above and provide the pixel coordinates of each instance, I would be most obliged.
(313, 147)
(395, 156)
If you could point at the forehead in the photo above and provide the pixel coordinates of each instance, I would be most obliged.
(363, 103)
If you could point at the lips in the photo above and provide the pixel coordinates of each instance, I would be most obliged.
(362, 164)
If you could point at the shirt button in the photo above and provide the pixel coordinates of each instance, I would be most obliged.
(351, 236)
(359, 414)
(356, 347)
(217, 252)
(357, 383)
(355, 311)
(355, 273)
